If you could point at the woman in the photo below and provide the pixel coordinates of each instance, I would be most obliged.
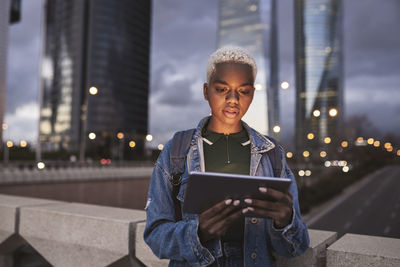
(223, 235)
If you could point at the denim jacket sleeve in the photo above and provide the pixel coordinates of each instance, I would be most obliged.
(168, 239)
(293, 239)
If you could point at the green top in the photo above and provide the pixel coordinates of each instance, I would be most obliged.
(228, 154)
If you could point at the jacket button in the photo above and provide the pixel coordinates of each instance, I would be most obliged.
(253, 255)
(254, 220)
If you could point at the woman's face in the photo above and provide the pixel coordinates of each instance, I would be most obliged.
(229, 94)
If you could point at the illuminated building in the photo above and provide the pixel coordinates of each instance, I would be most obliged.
(319, 73)
(95, 74)
(252, 24)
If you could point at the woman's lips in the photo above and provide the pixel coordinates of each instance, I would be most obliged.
(231, 113)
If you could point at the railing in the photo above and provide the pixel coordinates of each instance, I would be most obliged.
(72, 234)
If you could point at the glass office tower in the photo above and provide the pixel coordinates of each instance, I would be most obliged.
(95, 75)
(252, 24)
(319, 78)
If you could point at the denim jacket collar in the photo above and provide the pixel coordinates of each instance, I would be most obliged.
(259, 143)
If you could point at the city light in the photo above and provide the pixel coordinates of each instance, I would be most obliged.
(10, 144)
(327, 140)
(377, 144)
(345, 144)
(345, 169)
(308, 173)
(316, 113)
(149, 137)
(360, 140)
(5, 126)
(23, 143)
(258, 86)
(285, 85)
(277, 129)
(387, 145)
(310, 136)
(389, 149)
(160, 147)
(41, 165)
(120, 135)
(93, 90)
(306, 154)
(92, 136)
(398, 152)
(327, 163)
(323, 154)
(370, 141)
(301, 173)
(289, 155)
(333, 112)
(132, 144)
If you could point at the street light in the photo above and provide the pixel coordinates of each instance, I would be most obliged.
(93, 90)
(23, 143)
(120, 135)
(277, 129)
(322, 154)
(132, 144)
(306, 154)
(333, 112)
(377, 144)
(10, 144)
(41, 165)
(92, 136)
(289, 155)
(149, 138)
(308, 173)
(345, 169)
(310, 136)
(301, 173)
(345, 144)
(327, 140)
(316, 113)
(285, 85)
(370, 141)
(160, 147)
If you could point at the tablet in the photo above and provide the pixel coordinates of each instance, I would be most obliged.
(205, 189)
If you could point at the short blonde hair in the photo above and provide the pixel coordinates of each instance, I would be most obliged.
(230, 54)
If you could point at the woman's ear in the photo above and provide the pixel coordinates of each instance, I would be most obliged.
(205, 91)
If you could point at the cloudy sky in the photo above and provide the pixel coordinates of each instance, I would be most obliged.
(184, 34)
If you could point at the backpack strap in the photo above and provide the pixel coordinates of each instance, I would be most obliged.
(276, 158)
(177, 157)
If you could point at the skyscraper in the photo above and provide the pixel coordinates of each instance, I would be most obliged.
(319, 79)
(252, 24)
(95, 73)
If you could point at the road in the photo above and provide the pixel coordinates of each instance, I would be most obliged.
(374, 209)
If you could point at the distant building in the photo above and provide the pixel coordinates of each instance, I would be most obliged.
(9, 13)
(319, 72)
(95, 76)
(252, 24)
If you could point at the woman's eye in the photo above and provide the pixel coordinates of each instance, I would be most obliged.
(244, 91)
(221, 89)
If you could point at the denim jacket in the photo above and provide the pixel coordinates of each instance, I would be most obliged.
(179, 241)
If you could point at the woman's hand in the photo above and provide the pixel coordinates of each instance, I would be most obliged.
(279, 208)
(214, 222)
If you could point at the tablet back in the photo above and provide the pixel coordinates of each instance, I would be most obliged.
(205, 189)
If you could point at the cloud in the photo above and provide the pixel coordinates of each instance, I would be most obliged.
(23, 123)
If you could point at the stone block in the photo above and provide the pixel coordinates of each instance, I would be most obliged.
(315, 256)
(72, 234)
(360, 250)
(143, 251)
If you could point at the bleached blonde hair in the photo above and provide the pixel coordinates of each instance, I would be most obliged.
(230, 54)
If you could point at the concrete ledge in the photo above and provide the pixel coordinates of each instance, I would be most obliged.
(9, 219)
(72, 234)
(360, 250)
(143, 251)
(315, 254)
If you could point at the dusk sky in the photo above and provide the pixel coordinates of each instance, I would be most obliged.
(184, 34)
